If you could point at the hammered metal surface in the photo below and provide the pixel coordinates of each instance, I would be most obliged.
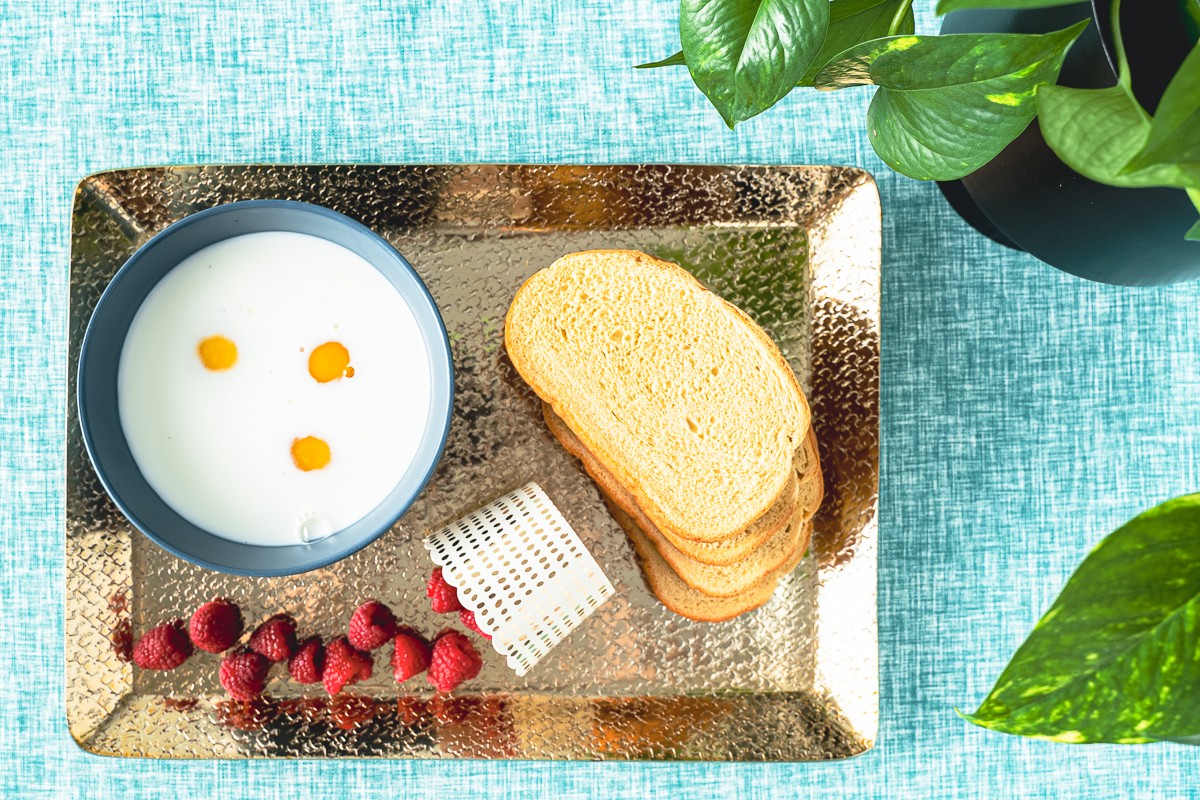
(796, 247)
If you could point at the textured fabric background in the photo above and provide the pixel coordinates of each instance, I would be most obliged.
(1026, 413)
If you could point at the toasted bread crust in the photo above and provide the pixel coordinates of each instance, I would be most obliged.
(680, 598)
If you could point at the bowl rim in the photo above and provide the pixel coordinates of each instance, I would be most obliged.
(438, 423)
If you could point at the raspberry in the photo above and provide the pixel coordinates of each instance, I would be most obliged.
(344, 665)
(308, 663)
(443, 597)
(467, 617)
(454, 661)
(275, 639)
(216, 625)
(244, 674)
(371, 626)
(165, 646)
(411, 656)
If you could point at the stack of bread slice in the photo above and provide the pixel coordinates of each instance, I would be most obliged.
(684, 413)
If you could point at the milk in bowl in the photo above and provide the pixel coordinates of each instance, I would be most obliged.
(273, 388)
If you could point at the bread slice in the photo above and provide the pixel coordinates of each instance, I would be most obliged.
(731, 551)
(717, 581)
(678, 398)
(807, 494)
(714, 581)
(807, 465)
(677, 596)
(804, 461)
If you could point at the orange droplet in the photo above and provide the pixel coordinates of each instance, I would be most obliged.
(217, 352)
(310, 453)
(330, 361)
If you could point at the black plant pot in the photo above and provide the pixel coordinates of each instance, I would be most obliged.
(1027, 199)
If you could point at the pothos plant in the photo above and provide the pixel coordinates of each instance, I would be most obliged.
(1117, 656)
(945, 105)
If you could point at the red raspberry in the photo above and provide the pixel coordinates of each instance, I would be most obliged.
(411, 656)
(344, 665)
(371, 626)
(454, 661)
(216, 625)
(165, 646)
(275, 639)
(308, 663)
(244, 674)
(443, 597)
(467, 616)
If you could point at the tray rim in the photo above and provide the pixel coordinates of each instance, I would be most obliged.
(864, 180)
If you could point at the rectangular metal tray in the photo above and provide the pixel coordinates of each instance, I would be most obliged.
(796, 247)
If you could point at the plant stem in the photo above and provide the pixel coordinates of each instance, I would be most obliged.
(898, 20)
(1123, 78)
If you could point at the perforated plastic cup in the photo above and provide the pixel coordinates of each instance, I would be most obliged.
(524, 572)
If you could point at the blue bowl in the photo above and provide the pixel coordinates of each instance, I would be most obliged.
(100, 355)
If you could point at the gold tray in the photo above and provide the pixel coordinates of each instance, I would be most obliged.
(795, 247)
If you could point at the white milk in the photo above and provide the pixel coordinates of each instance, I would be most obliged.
(216, 445)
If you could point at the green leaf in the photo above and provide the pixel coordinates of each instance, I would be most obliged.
(1194, 232)
(852, 22)
(674, 60)
(946, 6)
(1116, 657)
(948, 104)
(746, 55)
(1175, 130)
(1097, 131)
(1191, 19)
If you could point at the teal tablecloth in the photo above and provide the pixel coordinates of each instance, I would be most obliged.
(1025, 414)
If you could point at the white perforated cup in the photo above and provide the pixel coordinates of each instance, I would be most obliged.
(524, 572)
